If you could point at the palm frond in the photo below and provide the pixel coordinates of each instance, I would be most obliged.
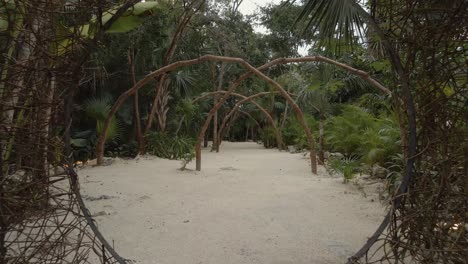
(183, 81)
(97, 108)
(333, 19)
(279, 105)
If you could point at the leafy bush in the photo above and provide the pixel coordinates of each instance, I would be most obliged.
(83, 145)
(347, 166)
(115, 148)
(268, 137)
(171, 147)
(358, 133)
(98, 109)
(395, 174)
(294, 134)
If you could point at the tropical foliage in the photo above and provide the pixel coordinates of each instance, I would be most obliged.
(66, 73)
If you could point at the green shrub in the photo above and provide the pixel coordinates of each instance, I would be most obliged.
(294, 134)
(358, 133)
(98, 109)
(171, 147)
(347, 166)
(395, 172)
(268, 137)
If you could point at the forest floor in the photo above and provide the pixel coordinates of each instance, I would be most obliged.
(247, 205)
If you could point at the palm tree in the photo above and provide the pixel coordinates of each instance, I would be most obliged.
(317, 101)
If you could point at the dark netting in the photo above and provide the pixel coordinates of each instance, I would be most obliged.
(428, 218)
(42, 216)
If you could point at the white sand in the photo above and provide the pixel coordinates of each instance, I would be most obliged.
(247, 205)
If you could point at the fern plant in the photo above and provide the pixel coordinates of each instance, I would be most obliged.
(171, 147)
(357, 132)
(346, 166)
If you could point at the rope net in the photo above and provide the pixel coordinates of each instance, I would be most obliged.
(42, 216)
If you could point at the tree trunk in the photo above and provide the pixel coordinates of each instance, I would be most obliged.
(214, 146)
(162, 92)
(227, 128)
(205, 141)
(321, 139)
(215, 99)
(163, 107)
(285, 116)
(252, 133)
(136, 107)
(246, 133)
(154, 107)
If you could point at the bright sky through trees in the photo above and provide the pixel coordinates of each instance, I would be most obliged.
(248, 7)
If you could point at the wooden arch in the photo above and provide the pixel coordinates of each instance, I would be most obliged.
(244, 98)
(235, 108)
(252, 70)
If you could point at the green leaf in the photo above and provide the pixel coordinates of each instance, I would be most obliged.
(314, 86)
(125, 24)
(448, 91)
(334, 85)
(79, 142)
(131, 19)
(338, 20)
(86, 31)
(82, 134)
(11, 7)
(140, 9)
(3, 24)
(382, 65)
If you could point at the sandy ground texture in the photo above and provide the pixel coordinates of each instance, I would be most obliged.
(247, 205)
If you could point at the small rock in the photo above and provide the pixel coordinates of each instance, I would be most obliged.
(379, 172)
(383, 196)
(186, 221)
(101, 213)
(292, 149)
(336, 155)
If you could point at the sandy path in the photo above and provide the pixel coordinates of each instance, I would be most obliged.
(247, 205)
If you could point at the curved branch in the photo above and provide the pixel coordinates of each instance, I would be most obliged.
(256, 71)
(251, 117)
(279, 140)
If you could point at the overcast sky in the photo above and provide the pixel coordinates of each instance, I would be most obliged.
(249, 6)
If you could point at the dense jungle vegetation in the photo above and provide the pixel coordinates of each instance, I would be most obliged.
(359, 126)
(381, 91)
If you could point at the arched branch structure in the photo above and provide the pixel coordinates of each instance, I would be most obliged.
(252, 70)
(297, 109)
(236, 107)
(251, 117)
(244, 98)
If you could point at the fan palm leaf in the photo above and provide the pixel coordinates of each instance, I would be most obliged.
(98, 109)
(334, 19)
